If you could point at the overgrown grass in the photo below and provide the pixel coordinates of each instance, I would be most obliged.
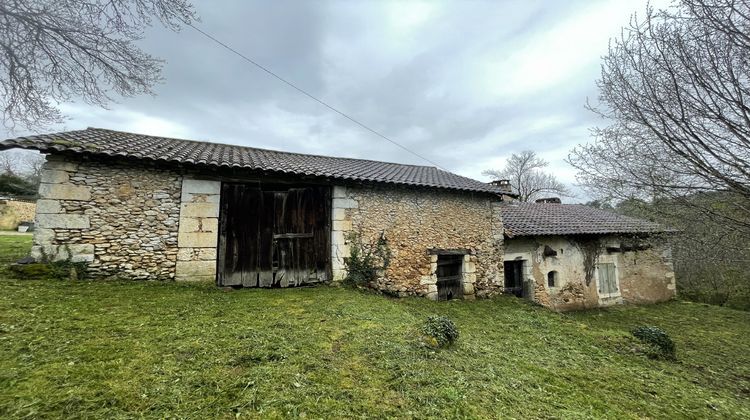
(144, 349)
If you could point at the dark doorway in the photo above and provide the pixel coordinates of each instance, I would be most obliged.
(514, 277)
(449, 277)
(273, 235)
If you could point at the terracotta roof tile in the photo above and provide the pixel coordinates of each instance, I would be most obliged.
(535, 219)
(98, 141)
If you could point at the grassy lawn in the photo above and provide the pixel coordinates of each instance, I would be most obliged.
(144, 349)
(13, 246)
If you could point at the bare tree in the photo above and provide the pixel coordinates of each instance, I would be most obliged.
(54, 51)
(675, 89)
(528, 180)
(9, 164)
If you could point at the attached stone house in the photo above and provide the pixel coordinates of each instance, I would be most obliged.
(144, 207)
(567, 257)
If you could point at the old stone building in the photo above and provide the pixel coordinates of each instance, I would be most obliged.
(143, 207)
(569, 257)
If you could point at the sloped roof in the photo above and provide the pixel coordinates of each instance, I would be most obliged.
(536, 219)
(98, 141)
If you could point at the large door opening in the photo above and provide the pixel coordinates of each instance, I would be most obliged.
(514, 277)
(273, 235)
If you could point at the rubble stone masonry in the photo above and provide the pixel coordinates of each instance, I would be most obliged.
(413, 222)
(121, 218)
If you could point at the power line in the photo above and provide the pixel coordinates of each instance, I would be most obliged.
(304, 92)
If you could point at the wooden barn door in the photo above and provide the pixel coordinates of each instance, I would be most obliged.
(273, 236)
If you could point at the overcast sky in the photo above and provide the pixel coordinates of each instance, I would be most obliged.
(465, 84)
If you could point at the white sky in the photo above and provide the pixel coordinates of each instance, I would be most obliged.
(464, 83)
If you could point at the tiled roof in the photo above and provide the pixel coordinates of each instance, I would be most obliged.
(534, 219)
(97, 141)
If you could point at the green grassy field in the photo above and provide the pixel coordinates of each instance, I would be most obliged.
(146, 349)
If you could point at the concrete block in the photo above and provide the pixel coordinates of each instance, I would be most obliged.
(342, 225)
(199, 210)
(199, 224)
(201, 186)
(345, 203)
(197, 239)
(63, 221)
(65, 192)
(48, 206)
(54, 176)
(195, 270)
(339, 214)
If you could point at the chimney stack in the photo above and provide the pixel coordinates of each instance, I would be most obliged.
(503, 184)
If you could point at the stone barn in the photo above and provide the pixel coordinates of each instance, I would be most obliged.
(144, 207)
(567, 256)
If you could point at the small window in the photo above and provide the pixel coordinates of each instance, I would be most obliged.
(552, 279)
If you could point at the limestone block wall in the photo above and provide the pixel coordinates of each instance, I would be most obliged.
(199, 230)
(414, 221)
(121, 218)
(645, 276)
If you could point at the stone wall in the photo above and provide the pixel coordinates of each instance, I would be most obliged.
(13, 212)
(121, 218)
(414, 221)
(645, 276)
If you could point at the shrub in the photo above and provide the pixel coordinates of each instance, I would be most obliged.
(661, 346)
(439, 331)
(366, 260)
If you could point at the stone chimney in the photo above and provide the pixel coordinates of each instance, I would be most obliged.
(503, 184)
(550, 200)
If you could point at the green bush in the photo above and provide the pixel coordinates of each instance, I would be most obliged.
(366, 260)
(439, 331)
(659, 342)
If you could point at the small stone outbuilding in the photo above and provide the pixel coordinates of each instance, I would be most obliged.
(568, 256)
(144, 207)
